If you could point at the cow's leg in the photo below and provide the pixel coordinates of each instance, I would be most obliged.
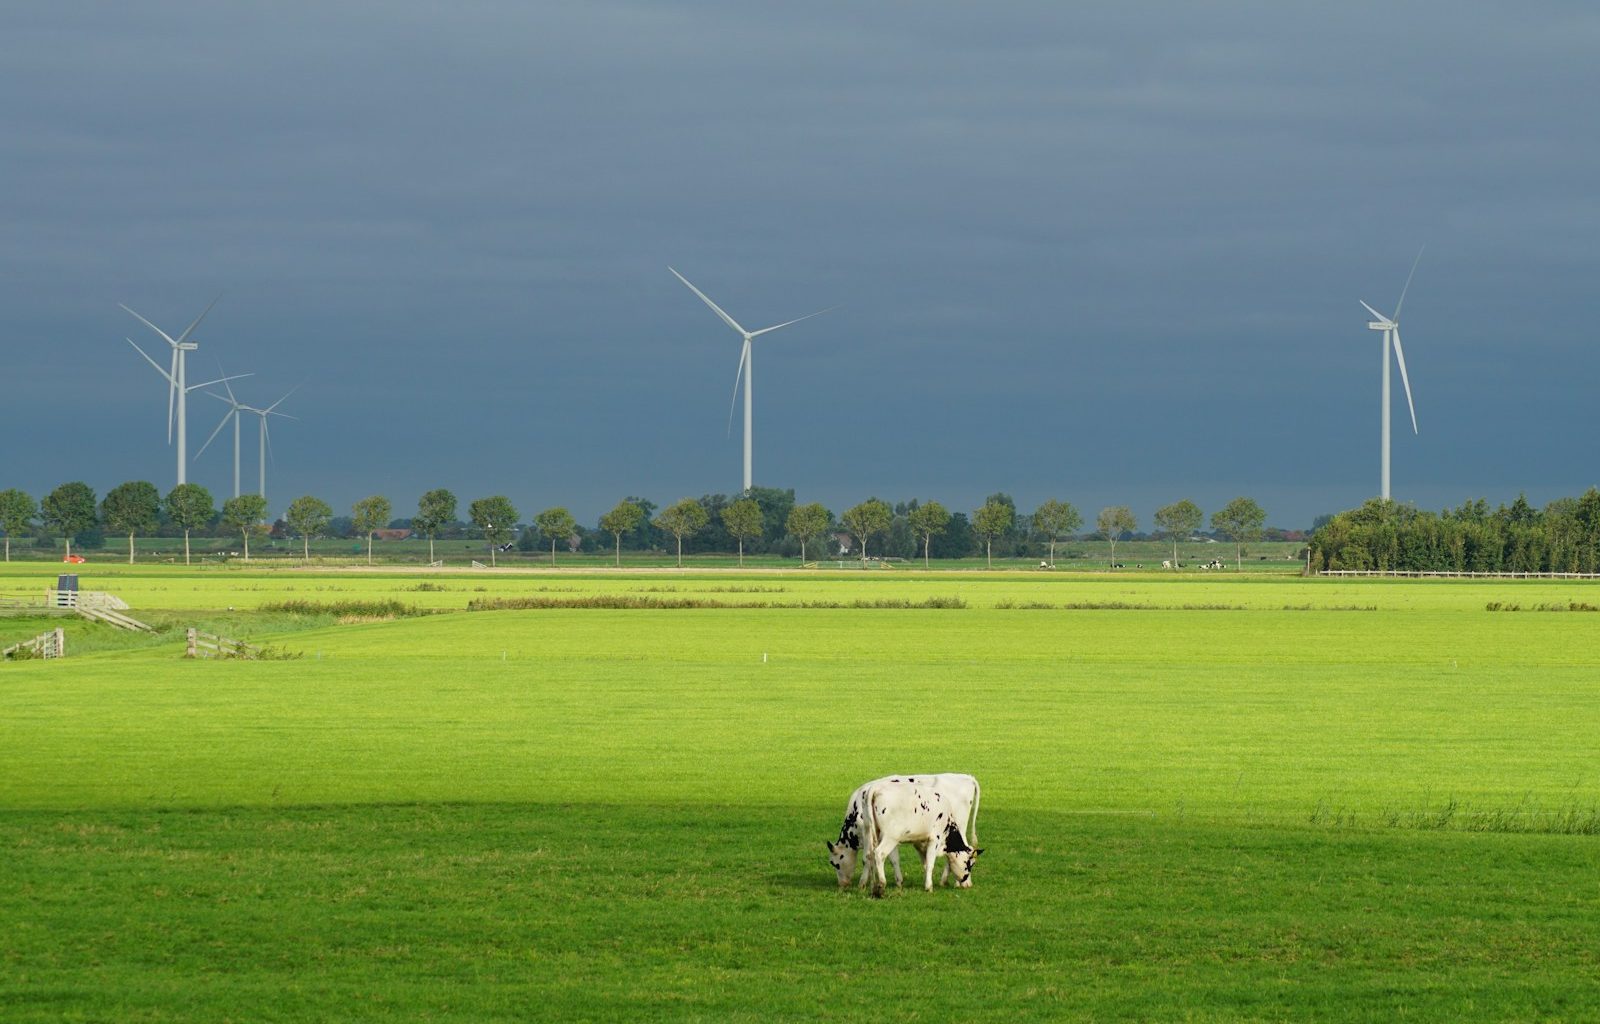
(879, 852)
(894, 857)
(930, 853)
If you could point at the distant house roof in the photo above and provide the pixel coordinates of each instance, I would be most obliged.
(391, 534)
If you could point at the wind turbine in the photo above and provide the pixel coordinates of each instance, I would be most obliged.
(264, 437)
(746, 369)
(1390, 326)
(178, 387)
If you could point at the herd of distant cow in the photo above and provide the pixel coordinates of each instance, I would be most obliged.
(937, 814)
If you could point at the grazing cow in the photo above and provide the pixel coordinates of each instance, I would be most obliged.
(906, 811)
(1166, 563)
(958, 793)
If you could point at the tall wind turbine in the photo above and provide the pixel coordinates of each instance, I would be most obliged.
(1390, 326)
(264, 437)
(233, 413)
(745, 367)
(178, 387)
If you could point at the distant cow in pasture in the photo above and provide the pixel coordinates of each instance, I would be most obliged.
(957, 795)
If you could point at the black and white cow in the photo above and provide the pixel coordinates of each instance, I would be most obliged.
(959, 794)
(907, 811)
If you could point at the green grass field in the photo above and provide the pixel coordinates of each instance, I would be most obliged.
(1229, 798)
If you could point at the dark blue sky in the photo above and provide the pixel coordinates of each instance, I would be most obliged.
(1110, 255)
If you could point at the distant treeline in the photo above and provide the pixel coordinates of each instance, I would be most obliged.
(1564, 536)
(763, 520)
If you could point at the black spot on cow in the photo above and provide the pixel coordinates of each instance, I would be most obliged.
(953, 840)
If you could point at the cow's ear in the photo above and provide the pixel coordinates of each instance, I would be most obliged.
(977, 852)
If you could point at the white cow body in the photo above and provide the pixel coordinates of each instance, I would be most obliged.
(915, 809)
(958, 792)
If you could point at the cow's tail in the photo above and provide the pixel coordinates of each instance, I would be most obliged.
(869, 827)
(972, 825)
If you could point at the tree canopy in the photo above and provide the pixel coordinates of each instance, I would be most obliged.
(131, 508)
(16, 514)
(867, 519)
(743, 519)
(1240, 520)
(496, 517)
(620, 520)
(309, 517)
(991, 521)
(682, 519)
(805, 522)
(556, 524)
(1178, 521)
(68, 510)
(927, 521)
(1054, 519)
(369, 515)
(244, 514)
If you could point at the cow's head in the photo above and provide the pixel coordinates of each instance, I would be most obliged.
(961, 862)
(842, 858)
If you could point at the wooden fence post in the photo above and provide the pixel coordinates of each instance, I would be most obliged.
(61, 642)
(190, 653)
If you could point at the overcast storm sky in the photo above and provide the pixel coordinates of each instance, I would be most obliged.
(1106, 253)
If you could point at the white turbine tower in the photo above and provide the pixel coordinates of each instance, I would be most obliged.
(178, 387)
(745, 368)
(1390, 326)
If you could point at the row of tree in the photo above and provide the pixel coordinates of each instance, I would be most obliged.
(1564, 536)
(761, 520)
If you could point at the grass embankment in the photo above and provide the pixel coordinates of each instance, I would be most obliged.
(1287, 810)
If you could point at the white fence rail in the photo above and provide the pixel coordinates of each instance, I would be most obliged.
(209, 645)
(46, 645)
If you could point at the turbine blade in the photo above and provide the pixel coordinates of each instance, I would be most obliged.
(215, 432)
(280, 401)
(172, 391)
(267, 433)
(190, 329)
(808, 316)
(219, 380)
(1407, 288)
(744, 353)
(1374, 312)
(730, 321)
(152, 326)
(152, 362)
(1400, 357)
(228, 387)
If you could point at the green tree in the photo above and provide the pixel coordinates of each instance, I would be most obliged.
(189, 506)
(872, 516)
(16, 514)
(1112, 523)
(68, 510)
(1177, 521)
(683, 519)
(743, 520)
(434, 510)
(497, 518)
(621, 520)
(991, 521)
(556, 524)
(805, 522)
(369, 515)
(130, 508)
(309, 517)
(927, 521)
(244, 514)
(1240, 521)
(1055, 519)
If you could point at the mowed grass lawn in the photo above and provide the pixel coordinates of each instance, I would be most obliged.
(1229, 800)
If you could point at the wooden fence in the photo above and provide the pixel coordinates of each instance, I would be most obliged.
(209, 645)
(46, 645)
